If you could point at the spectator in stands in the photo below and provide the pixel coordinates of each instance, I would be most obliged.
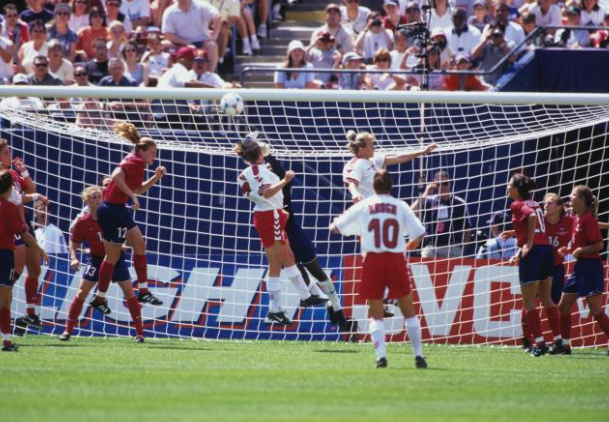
(353, 16)
(403, 57)
(48, 235)
(351, 61)
(247, 30)
(381, 81)
(22, 103)
(512, 31)
(113, 14)
(80, 15)
(81, 78)
(462, 38)
(98, 65)
(138, 12)
(546, 14)
(441, 15)
(263, 17)
(591, 13)
(230, 11)
(323, 55)
(496, 247)
(135, 70)
(61, 32)
(413, 12)
(572, 38)
(36, 47)
(116, 77)
(200, 72)
(296, 59)
(600, 38)
(528, 24)
(373, 38)
(7, 51)
(36, 12)
(446, 218)
(456, 82)
(156, 60)
(393, 19)
(491, 51)
(118, 38)
(58, 65)
(188, 23)
(178, 76)
(440, 41)
(88, 34)
(434, 79)
(157, 9)
(342, 35)
(41, 74)
(14, 29)
(480, 17)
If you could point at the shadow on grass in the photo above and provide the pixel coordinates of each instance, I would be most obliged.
(336, 351)
(191, 349)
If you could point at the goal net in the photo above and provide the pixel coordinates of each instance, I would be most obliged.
(206, 262)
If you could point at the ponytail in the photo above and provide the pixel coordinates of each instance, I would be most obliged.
(590, 200)
(524, 185)
(358, 140)
(248, 150)
(129, 132)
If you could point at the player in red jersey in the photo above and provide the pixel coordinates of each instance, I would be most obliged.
(587, 279)
(382, 221)
(85, 229)
(11, 224)
(264, 188)
(535, 259)
(24, 191)
(116, 219)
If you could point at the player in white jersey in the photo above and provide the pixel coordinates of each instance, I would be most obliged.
(359, 171)
(264, 188)
(382, 221)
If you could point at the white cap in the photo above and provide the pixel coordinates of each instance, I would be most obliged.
(295, 45)
(20, 78)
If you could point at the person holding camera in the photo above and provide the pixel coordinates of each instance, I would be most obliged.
(572, 38)
(373, 38)
(493, 48)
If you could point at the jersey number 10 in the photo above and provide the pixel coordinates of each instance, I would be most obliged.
(387, 235)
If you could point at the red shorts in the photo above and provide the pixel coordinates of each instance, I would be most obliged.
(271, 226)
(382, 270)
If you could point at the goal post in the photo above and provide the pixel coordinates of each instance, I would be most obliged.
(205, 260)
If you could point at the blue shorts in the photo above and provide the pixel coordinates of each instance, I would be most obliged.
(303, 248)
(7, 267)
(91, 272)
(558, 282)
(587, 278)
(538, 265)
(115, 220)
(19, 239)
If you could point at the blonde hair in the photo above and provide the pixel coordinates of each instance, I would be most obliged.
(556, 199)
(3, 143)
(358, 140)
(90, 190)
(129, 132)
(590, 201)
(248, 150)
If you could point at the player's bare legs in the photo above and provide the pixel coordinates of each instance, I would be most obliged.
(135, 239)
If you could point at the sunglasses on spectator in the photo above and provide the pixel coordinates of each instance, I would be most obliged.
(37, 31)
(130, 50)
(11, 16)
(97, 16)
(62, 13)
(412, 9)
(353, 1)
(41, 64)
(113, 4)
(381, 59)
(80, 74)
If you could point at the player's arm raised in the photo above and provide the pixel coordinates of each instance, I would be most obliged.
(158, 175)
(272, 190)
(409, 156)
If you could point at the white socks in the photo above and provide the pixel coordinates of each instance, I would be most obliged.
(297, 281)
(414, 333)
(328, 288)
(273, 286)
(377, 332)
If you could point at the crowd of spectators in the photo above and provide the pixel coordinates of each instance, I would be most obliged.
(466, 35)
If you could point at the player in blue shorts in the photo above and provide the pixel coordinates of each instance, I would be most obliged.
(587, 279)
(304, 250)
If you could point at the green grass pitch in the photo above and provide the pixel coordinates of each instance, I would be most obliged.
(116, 380)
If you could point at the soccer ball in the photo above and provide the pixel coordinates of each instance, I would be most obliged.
(232, 104)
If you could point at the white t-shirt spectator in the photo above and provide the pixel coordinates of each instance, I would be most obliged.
(442, 22)
(65, 71)
(135, 9)
(157, 64)
(29, 54)
(6, 68)
(592, 19)
(51, 239)
(321, 59)
(208, 78)
(397, 57)
(76, 23)
(226, 8)
(552, 18)
(343, 36)
(16, 103)
(300, 82)
(464, 43)
(176, 77)
(513, 32)
(358, 24)
(372, 42)
(192, 25)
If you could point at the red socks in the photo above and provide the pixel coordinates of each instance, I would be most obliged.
(603, 321)
(140, 264)
(535, 324)
(106, 271)
(565, 326)
(31, 294)
(554, 319)
(74, 313)
(136, 313)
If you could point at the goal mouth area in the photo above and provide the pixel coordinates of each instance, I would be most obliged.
(315, 123)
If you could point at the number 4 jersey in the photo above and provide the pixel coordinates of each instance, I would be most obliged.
(381, 221)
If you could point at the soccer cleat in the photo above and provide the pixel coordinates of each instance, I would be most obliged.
(22, 323)
(65, 337)
(381, 363)
(567, 350)
(313, 300)
(334, 315)
(149, 298)
(140, 339)
(420, 363)
(557, 348)
(100, 306)
(539, 350)
(527, 346)
(12, 347)
(279, 317)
